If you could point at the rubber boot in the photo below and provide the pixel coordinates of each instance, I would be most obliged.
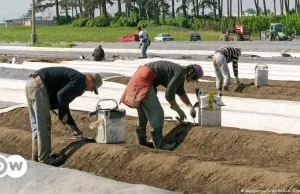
(58, 160)
(226, 87)
(141, 135)
(55, 159)
(157, 138)
(35, 156)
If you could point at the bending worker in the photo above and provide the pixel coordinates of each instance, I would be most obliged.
(54, 88)
(98, 54)
(140, 93)
(144, 41)
(221, 58)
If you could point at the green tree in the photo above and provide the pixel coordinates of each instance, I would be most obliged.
(250, 11)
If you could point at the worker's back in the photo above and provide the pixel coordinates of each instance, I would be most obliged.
(98, 54)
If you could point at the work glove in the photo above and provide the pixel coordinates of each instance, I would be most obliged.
(237, 80)
(180, 112)
(75, 130)
(192, 112)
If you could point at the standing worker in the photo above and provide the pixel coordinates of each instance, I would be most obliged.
(98, 54)
(221, 58)
(54, 88)
(144, 41)
(140, 93)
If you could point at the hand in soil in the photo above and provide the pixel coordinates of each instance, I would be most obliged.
(75, 131)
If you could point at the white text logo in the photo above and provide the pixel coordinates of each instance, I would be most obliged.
(14, 166)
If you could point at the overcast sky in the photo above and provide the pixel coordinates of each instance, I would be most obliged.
(13, 9)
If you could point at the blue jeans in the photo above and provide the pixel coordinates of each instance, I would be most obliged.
(144, 49)
(40, 120)
(221, 70)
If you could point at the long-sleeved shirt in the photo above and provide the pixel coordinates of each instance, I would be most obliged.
(63, 86)
(231, 54)
(170, 75)
(143, 36)
(98, 54)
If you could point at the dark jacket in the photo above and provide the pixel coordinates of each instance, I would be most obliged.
(63, 86)
(170, 75)
(98, 54)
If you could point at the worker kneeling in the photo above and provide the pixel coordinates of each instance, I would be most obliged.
(140, 93)
(98, 54)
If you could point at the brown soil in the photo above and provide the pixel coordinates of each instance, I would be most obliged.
(206, 160)
(8, 59)
(277, 90)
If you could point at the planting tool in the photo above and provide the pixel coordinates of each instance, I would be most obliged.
(76, 134)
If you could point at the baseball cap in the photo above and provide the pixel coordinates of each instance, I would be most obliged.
(98, 81)
(198, 69)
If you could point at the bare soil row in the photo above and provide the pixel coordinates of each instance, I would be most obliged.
(206, 160)
(276, 90)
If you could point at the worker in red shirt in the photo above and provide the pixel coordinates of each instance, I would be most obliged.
(140, 93)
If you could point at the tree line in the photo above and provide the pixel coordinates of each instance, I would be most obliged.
(159, 9)
(146, 12)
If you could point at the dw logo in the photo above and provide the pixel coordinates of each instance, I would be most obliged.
(14, 166)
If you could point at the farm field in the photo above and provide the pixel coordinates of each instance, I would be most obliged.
(67, 34)
(256, 148)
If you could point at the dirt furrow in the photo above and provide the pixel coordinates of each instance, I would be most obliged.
(276, 90)
(163, 169)
(206, 160)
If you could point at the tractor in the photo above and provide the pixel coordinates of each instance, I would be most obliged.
(277, 32)
(239, 30)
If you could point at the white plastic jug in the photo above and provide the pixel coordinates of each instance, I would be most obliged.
(209, 114)
(261, 75)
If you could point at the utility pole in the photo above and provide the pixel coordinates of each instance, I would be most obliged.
(33, 35)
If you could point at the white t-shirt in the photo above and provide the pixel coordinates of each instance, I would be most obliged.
(143, 36)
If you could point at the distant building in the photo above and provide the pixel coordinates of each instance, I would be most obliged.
(39, 21)
(2, 23)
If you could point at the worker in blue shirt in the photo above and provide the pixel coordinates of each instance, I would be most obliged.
(54, 88)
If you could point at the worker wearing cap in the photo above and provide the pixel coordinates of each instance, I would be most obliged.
(140, 93)
(144, 41)
(54, 88)
(221, 58)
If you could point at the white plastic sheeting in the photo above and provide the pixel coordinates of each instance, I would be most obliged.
(41, 178)
(150, 51)
(255, 114)
(127, 68)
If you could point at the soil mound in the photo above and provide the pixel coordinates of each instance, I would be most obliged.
(276, 90)
(8, 59)
(206, 160)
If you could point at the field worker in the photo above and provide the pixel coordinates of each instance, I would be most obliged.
(144, 41)
(98, 54)
(54, 88)
(221, 58)
(140, 93)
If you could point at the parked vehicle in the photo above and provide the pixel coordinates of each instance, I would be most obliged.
(194, 37)
(276, 32)
(129, 38)
(239, 30)
(163, 37)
